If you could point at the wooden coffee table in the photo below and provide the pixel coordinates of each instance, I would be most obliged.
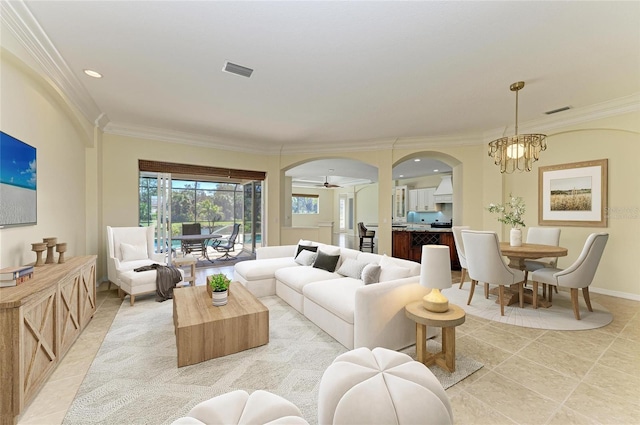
(204, 332)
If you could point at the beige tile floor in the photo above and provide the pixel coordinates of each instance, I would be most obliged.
(530, 376)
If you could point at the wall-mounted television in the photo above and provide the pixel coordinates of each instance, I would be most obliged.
(18, 196)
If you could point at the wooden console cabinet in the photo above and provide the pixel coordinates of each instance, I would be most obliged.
(39, 322)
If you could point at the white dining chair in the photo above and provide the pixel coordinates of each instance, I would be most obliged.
(578, 275)
(542, 236)
(485, 264)
(457, 238)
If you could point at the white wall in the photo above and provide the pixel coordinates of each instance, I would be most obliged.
(366, 201)
(35, 114)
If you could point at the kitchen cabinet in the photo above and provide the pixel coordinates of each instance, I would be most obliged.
(422, 200)
(408, 244)
(400, 203)
(401, 243)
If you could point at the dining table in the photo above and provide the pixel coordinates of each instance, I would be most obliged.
(529, 251)
(202, 239)
(517, 256)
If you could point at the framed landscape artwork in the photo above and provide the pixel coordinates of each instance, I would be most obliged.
(573, 194)
(18, 189)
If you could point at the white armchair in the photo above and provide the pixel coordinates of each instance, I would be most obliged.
(129, 248)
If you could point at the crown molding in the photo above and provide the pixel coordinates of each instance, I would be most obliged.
(191, 139)
(573, 117)
(20, 21)
(438, 141)
(334, 147)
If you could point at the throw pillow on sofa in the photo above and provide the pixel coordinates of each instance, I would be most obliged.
(306, 257)
(326, 262)
(306, 248)
(371, 274)
(352, 268)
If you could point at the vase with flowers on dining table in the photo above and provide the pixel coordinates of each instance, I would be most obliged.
(511, 213)
(515, 237)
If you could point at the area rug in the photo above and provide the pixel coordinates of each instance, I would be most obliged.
(134, 378)
(557, 317)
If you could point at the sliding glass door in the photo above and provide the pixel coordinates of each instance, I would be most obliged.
(252, 216)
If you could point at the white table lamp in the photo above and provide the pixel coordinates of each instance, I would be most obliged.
(435, 273)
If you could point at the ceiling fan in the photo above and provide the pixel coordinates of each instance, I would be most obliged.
(327, 184)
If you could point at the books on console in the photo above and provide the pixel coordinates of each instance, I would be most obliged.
(12, 276)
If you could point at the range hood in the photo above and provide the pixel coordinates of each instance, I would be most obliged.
(446, 187)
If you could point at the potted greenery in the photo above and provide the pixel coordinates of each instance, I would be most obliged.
(511, 214)
(218, 288)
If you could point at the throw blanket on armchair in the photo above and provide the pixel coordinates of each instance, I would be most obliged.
(166, 279)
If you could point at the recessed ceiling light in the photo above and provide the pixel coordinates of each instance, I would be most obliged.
(92, 73)
(401, 175)
(435, 171)
(416, 160)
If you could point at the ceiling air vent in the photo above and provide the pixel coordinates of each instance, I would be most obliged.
(237, 69)
(555, 111)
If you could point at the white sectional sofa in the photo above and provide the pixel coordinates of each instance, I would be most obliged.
(355, 314)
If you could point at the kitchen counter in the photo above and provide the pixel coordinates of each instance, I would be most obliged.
(427, 228)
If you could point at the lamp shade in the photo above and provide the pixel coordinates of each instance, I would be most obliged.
(435, 267)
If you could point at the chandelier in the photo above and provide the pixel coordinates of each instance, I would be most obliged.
(520, 151)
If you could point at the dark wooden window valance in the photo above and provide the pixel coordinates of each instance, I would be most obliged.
(304, 195)
(201, 170)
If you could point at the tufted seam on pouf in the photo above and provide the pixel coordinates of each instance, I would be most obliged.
(381, 386)
(238, 407)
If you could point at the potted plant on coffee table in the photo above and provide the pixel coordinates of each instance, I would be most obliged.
(218, 288)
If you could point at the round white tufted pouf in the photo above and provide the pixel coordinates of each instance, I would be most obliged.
(381, 386)
(238, 407)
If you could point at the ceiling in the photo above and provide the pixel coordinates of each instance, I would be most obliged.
(331, 73)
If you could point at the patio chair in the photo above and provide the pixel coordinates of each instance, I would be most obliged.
(228, 245)
(192, 246)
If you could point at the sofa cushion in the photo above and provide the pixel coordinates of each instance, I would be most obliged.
(352, 268)
(263, 269)
(371, 274)
(296, 278)
(329, 249)
(369, 258)
(392, 273)
(326, 262)
(414, 268)
(337, 296)
(306, 257)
